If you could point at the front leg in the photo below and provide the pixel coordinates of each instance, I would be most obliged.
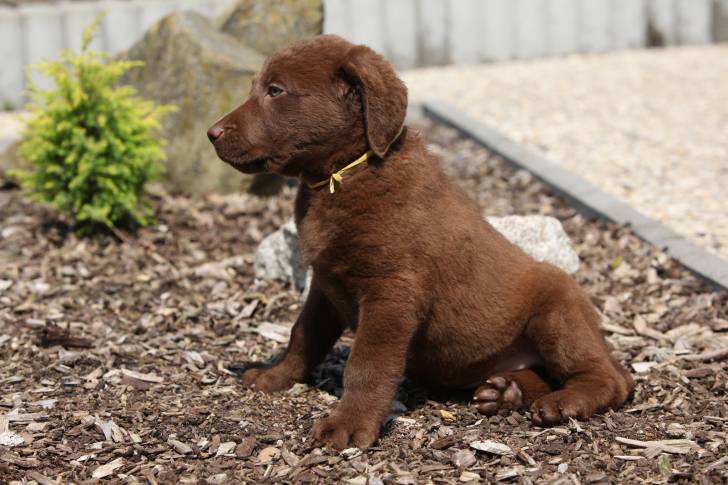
(374, 370)
(315, 332)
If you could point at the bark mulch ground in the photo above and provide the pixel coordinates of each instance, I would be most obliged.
(115, 358)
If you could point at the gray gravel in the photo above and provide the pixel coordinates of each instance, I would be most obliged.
(10, 129)
(649, 127)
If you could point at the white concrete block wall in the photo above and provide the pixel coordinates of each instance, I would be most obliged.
(561, 24)
(400, 32)
(662, 18)
(594, 21)
(465, 31)
(11, 74)
(694, 21)
(75, 18)
(432, 28)
(410, 32)
(530, 29)
(365, 23)
(34, 32)
(497, 20)
(153, 10)
(121, 25)
(42, 36)
(629, 19)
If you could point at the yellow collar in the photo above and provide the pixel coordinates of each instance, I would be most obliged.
(336, 176)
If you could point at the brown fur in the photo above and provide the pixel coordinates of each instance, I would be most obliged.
(402, 256)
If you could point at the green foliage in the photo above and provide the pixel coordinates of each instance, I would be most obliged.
(93, 145)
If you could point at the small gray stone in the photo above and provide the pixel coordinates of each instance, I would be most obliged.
(279, 258)
(542, 237)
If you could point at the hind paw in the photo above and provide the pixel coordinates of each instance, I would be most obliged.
(498, 393)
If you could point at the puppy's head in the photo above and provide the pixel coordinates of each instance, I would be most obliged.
(320, 99)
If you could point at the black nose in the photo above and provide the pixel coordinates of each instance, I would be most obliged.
(215, 132)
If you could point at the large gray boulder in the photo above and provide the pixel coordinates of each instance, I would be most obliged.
(205, 73)
(270, 25)
(278, 256)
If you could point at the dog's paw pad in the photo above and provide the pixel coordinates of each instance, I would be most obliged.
(497, 393)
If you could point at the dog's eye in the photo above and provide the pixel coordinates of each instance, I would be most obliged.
(274, 91)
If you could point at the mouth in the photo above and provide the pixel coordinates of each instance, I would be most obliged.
(255, 165)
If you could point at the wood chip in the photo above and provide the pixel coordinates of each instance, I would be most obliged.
(508, 473)
(11, 439)
(492, 447)
(246, 447)
(51, 334)
(40, 478)
(104, 471)
(463, 459)
(289, 457)
(275, 332)
(15, 417)
(36, 427)
(142, 377)
(444, 442)
(19, 462)
(225, 448)
(720, 354)
(467, 476)
(448, 416)
(680, 446)
(640, 325)
(179, 446)
(610, 327)
(269, 454)
(628, 457)
(249, 309)
(642, 367)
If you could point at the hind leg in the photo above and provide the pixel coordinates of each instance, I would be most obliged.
(509, 390)
(567, 335)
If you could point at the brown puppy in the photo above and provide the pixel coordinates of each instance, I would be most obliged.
(401, 255)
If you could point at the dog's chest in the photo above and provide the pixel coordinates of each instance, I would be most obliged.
(318, 229)
(316, 243)
(330, 268)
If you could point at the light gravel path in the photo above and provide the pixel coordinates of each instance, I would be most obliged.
(10, 128)
(649, 127)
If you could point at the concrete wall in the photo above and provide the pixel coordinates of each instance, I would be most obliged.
(720, 21)
(410, 32)
(33, 32)
(429, 32)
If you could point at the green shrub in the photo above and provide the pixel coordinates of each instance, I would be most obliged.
(93, 145)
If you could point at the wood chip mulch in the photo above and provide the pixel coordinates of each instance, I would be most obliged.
(115, 358)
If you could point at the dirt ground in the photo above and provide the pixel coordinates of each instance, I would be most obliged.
(115, 358)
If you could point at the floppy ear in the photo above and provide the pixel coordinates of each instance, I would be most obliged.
(383, 96)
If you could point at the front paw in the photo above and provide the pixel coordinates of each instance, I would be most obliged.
(268, 379)
(343, 430)
(557, 407)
